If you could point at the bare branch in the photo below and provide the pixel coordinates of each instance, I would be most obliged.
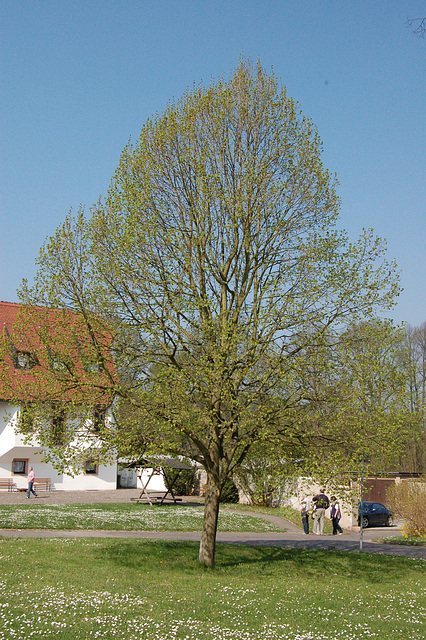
(417, 26)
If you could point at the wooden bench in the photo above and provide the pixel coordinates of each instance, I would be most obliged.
(157, 496)
(42, 483)
(7, 483)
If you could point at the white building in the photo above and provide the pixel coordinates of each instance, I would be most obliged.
(18, 453)
(16, 457)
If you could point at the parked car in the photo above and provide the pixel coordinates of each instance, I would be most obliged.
(375, 515)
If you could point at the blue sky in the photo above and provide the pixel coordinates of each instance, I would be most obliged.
(79, 78)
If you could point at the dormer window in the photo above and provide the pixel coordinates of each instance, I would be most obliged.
(91, 366)
(25, 360)
(58, 362)
(21, 359)
(58, 365)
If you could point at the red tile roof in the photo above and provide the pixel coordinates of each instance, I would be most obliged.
(8, 314)
(47, 334)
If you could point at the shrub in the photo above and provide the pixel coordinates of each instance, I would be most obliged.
(408, 500)
(181, 480)
(229, 493)
(265, 476)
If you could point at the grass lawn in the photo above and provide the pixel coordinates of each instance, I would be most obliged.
(410, 541)
(284, 512)
(77, 589)
(123, 517)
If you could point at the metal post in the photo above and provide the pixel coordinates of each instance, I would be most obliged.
(361, 517)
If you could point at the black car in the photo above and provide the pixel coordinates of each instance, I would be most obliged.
(375, 515)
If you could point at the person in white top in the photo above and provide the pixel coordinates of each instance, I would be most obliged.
(304, 512)
(335, 515)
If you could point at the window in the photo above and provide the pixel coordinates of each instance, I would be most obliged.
(26, 418)
(58, 364)
(379, 508)
(19, 467)
(24, 360)
(90, 366)
(58, 361)
(58, 426)
(90, 468)
(98, 419)
(21, 359)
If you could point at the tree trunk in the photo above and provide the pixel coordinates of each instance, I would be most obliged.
(211, 513)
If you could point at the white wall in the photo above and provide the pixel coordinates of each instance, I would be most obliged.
(8, 437)
(106, 479)
(155, 484)
(12, 446)
(291, 495)
(306, 487)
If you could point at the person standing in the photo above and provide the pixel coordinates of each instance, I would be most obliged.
(314, 517)
(335, 515)
(30, 480)
(304, 512)
(322, 503)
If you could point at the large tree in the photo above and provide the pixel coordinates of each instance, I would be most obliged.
(214, 261)
(354, 408)
(414, 362)
(357, 406)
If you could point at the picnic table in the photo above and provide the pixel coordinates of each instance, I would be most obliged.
(160, 466)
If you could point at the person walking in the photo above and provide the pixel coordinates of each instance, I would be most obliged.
(335, 515)
(30, 480)
(322, 503)
(304, 512)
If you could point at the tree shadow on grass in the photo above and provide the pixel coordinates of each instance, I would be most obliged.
(182, 557)
(316, 563)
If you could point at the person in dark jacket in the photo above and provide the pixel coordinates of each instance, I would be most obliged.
(322, 503)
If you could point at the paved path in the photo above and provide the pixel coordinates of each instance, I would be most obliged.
(71, 497)
(292, 536)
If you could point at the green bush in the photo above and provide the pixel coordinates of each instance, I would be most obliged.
(265, 474)
(181, 480)
(229, 493)
(408, 500)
